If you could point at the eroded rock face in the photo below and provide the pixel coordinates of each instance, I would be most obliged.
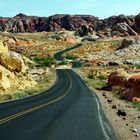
(10, 60)
(113, 26)
(13, 76)
(23, 23)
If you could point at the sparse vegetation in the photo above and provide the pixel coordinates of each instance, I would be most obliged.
(44, 62)
(70, 56)
(97, 82)
(136, 105)
(90, 76)
(48, 80)
(63, 63)
(116, 91)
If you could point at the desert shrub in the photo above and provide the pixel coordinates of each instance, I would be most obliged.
(20, 94)
(44, 62)
(70, 56)
(102, 77)
(117, 90)
(136, 105)
(137, 66)
(90, 76)
(5, 97)
(63, 63)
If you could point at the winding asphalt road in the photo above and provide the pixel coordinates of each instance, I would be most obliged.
(67, 111)
(75, 64)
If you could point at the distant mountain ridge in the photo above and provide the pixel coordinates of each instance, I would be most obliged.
(114, 25)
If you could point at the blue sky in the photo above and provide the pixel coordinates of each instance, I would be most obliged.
(100, 8)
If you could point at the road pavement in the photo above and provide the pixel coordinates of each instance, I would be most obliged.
(67, 111)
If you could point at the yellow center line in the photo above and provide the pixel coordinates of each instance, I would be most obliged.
(11, 117)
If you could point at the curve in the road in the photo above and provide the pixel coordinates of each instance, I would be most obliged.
(58, 56)
(29, 110)
(67, 111)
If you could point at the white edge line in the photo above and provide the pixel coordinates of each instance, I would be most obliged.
(100, 118)
(98, 108)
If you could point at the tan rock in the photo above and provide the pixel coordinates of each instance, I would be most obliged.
(12, 61)
(3, 47)
(70, 39)
(135, 99)
(11, 41)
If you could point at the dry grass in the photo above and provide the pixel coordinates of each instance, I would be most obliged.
(36, 44)
(47, 81)
(89, 47)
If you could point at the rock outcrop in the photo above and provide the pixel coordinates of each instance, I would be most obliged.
(12, 69)
(113, 26)
(124, 28)
(130, 84)
(10, 60)
(122, 54)
(118, 78)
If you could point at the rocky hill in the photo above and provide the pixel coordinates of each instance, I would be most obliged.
(113, 26)
(13, 75)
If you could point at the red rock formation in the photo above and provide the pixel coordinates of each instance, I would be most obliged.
(122, 25)
(118, 78)
(130, 84)
(134, 83)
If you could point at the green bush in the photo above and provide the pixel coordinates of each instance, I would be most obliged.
(102, 77)
(62, 63)
(44, 62)
(70, 56)
(20, 94)
(136, 105)
(90, 76)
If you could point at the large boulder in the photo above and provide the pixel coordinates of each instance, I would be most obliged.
(118, 78)
(134, 84)
(10, 60)
(132, 89)
(128, 44)
(130, 84)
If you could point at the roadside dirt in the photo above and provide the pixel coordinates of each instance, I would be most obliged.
(127, 126)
